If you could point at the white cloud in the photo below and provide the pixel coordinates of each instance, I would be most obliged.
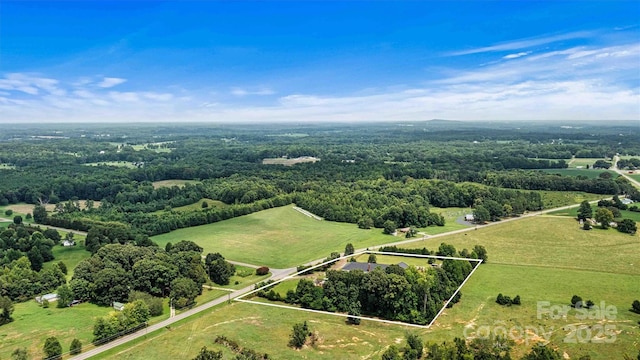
(525, 43)
(517, 55)
(244, 92)
(108, 82)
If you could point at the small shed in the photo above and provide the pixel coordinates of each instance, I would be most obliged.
(118, 306)
(48, 297)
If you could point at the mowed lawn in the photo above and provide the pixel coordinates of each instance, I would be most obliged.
(33, 324)
(278, 238)
(555, 242)
(70, 256)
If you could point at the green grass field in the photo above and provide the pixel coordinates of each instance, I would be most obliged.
(573, 212)
(278, 238)
(583, 162)
(589, 173)
(28, 329)
(554, 242)
(266, 329)
(7, 167)
(195, 206)
(170, 183)
(70, 255)
(552, 199)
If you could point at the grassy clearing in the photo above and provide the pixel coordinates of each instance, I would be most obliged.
(24, 209)
(195, 206)
(261, 238)
(7, 167)
(589, 173)
(170, 183)
(70, 255)
(27, 329)
(244, 276)
(553, 242)
(450, 216)
(552, 199)
(583, 162)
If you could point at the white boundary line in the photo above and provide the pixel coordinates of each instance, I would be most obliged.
(479, 261)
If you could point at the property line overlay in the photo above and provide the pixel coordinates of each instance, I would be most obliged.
(479, 261)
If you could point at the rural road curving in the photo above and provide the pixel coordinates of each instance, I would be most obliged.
(277, 274)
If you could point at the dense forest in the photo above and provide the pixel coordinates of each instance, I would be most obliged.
(366, 174)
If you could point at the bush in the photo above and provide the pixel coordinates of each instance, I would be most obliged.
(263, 270)
(8, 212)
(76, 347)
(635, 306)
(299, 335)
(576, 301)
(52, 348)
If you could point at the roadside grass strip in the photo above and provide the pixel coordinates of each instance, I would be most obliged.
(446, 303)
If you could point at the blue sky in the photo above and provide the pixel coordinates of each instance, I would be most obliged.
(81, 61)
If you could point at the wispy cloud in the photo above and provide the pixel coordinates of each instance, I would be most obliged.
(525, 43)
(108, 82)
(245, 92)
(516, 55)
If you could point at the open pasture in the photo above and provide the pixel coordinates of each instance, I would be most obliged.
(266, 329)
(175, 182)
(581, 163)
(553, 242)
(278, 238)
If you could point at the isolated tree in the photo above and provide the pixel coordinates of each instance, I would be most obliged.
(65, 296)
(516, 300)
(6, 309)
(52, 348)
(8, 212)
(206, 354)
(585, 212)
(389, 227)
(604, 217)
(76, 347)
(481, 214)
(39, 214)
(299, 334)
(17, 219)
(372, 259)
(349, 250)
(635, 306)
(20, 354)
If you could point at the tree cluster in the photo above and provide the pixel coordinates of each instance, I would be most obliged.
(508, 301)
(133, 317)
(115, 270)
(409, 295)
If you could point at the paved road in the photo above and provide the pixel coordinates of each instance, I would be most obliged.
(635, 182)
(277, 274)
(280, 274)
